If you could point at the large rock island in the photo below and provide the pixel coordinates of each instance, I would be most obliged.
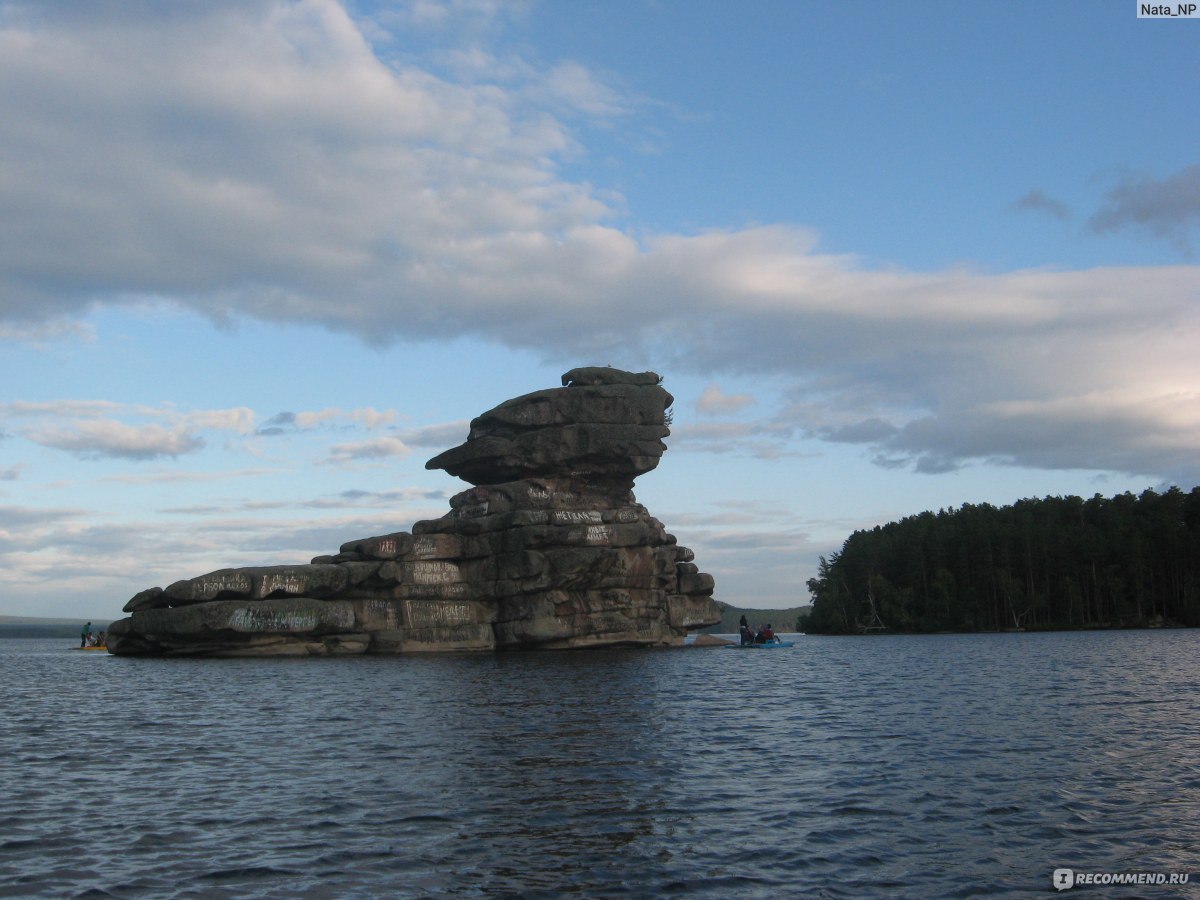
(548, 549)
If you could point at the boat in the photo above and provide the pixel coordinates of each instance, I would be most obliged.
(776, 644)
(99, 647)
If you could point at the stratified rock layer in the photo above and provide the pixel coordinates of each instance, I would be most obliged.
(548, 549)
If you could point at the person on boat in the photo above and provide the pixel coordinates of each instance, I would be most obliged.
(758, 636)
(768, 634)
(746, 634)
(84, 634)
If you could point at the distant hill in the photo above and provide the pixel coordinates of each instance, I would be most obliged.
(781, 619)
(46, 627)
(47, 620)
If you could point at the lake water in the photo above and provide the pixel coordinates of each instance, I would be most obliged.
(843, 767)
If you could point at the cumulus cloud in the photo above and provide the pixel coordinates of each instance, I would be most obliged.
(286, 422)
(1168, 207)
(762, 439)
(369, 417)
(348, 499)
(239, 420)
(96, 438)
(752, 549)
(313, 419)
(473, 16)
(715, 402)
(94, 429)
(378, 448)
(39, 332)
(24, 530)
(578, 89)
(174, 476)
(106, 562)
(1159, 433)
(21, 517)
(441, 435)
(267, 159)
(60, 408)
(258, 158)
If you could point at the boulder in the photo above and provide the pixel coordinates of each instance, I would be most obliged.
(547, 549)
(587, 375)
(151, 598)
(605, 424)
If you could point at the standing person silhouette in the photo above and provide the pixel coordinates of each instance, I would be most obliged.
(85, 634)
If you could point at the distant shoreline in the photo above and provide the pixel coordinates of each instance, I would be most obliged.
(16, 627)
(97, 624)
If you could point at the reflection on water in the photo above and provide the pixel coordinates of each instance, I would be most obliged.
(935, 765)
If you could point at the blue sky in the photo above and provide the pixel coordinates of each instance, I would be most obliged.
(260, 260)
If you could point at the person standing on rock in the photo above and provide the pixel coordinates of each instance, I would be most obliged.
(84, 635)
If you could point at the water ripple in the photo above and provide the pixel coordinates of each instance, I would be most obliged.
(916, 766)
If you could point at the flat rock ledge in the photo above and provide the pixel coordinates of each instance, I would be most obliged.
(710, 640)
(548, 549)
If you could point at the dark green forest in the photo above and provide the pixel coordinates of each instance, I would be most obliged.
(1059, 562)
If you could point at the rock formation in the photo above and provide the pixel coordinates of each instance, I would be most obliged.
(548, 549)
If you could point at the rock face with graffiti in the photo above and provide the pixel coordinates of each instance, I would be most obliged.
(548, 548)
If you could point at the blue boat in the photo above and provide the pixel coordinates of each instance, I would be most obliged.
(776, 644)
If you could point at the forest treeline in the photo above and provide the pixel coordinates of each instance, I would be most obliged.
(1058, 562)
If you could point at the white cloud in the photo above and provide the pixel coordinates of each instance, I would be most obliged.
(25, 518)
(371, 418)
(93, 429)
(752, 551)
(442, 435)
(172, 476)
(95, 438)
(61, 408)
(577, 88)
(348, 499)
(239, 420)
(261, 159)
(471, 15)
(368, 417)
(40, 332)
(106, 563)
(715, 402)
(763, 439)
(312, 419)
(378, 448)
